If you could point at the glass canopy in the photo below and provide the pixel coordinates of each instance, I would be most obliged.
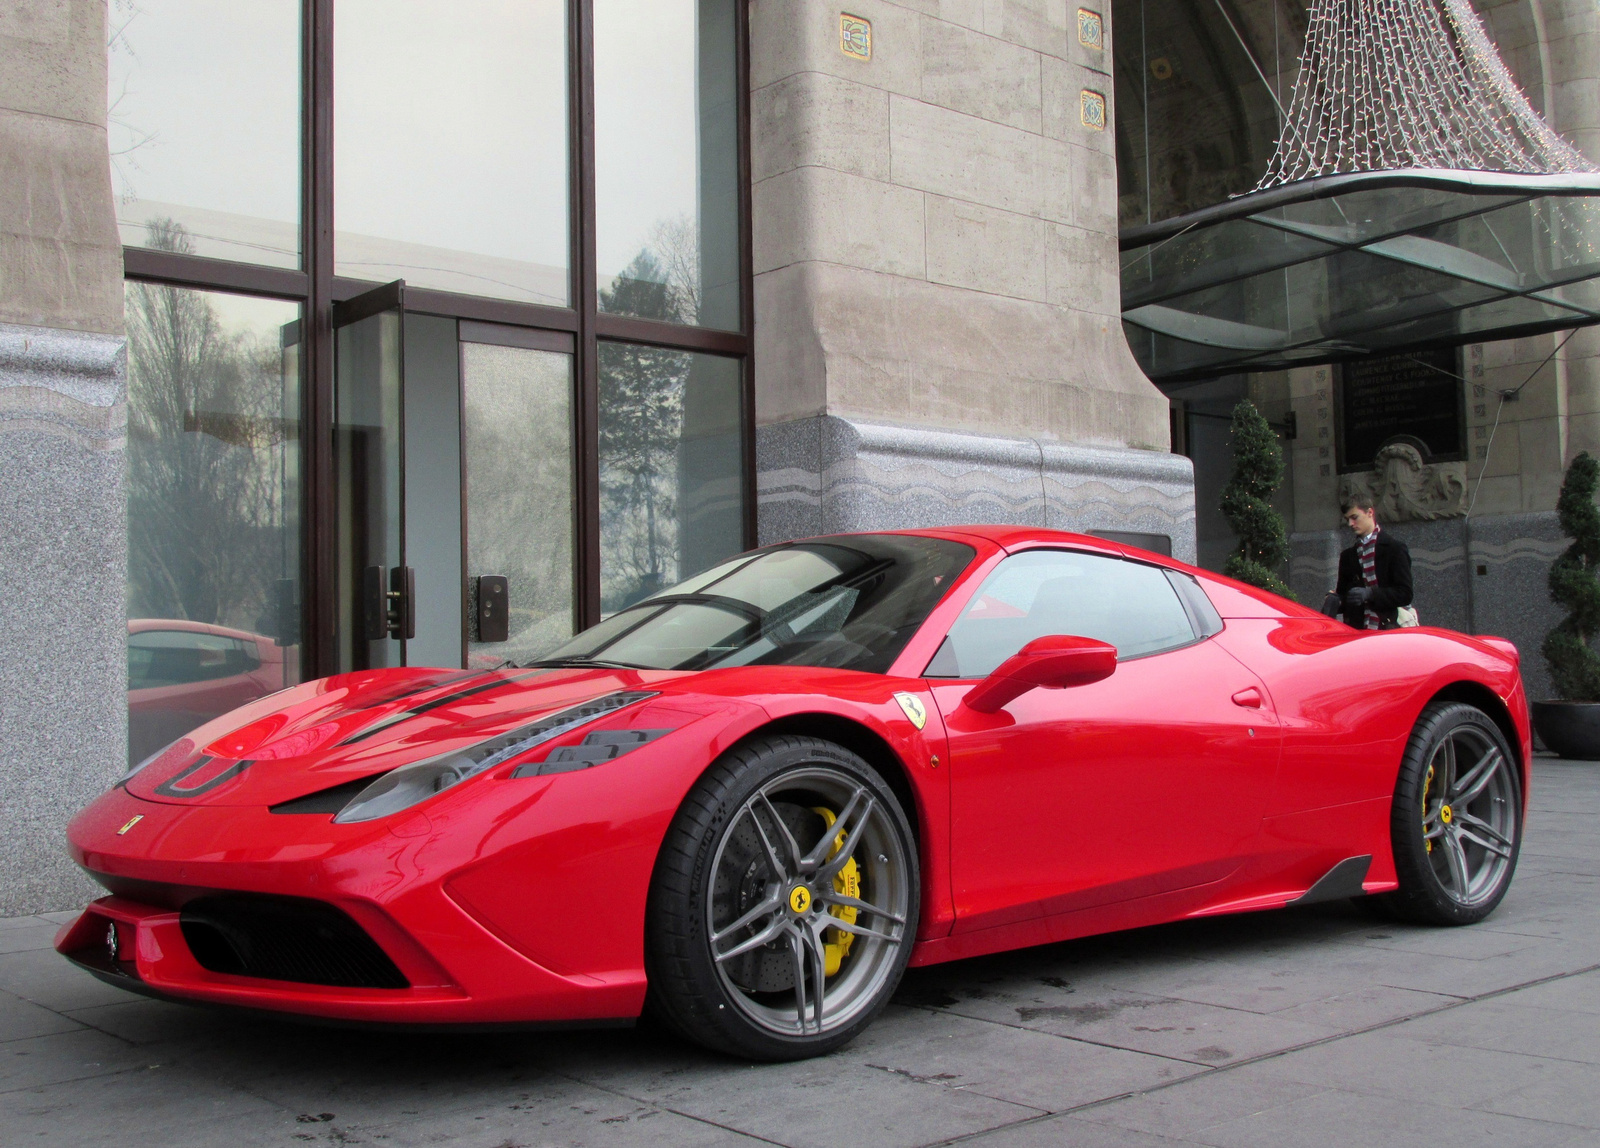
(1347, 266)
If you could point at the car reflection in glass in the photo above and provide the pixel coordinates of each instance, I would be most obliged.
(182, 674)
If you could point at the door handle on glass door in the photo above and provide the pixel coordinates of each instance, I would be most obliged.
(493, 598)
(1249, 697)
(402, 617)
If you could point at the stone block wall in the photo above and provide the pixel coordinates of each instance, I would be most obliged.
(63, 533)
(935, 246)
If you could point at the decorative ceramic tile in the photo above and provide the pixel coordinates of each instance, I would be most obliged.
(1092, 110)
(1091, 32)
(855, 36)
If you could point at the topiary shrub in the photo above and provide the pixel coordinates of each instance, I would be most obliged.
(1257, 470)
(1574, 667)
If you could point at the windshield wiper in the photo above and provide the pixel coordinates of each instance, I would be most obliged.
(578, 663)
(732, 605)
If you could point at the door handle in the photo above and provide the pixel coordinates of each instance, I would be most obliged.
(390, 613)
(493, 598)
(402, 617)
(1249, 697)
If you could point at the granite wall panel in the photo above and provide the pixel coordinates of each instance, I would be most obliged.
(63, 558)
(827, 474)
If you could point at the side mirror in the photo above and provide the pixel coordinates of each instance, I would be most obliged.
(1053, 662)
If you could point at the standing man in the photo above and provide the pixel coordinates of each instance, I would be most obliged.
(1374, 574)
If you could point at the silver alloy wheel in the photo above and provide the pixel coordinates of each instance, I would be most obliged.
(776, 897)
(1469, 815)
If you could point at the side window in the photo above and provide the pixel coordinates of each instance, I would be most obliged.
(1128, 604)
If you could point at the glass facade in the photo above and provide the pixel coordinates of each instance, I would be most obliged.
(1196, 121)
(671, 496)
(214, 464)
(183, 75)
(667, 160)
(450, 137)
(386, 268)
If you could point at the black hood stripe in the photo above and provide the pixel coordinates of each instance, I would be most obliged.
(447, 699)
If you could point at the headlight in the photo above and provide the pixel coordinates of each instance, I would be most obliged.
(181, 748)
(404, 787)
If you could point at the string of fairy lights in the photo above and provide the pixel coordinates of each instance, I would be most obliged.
(1395, 84)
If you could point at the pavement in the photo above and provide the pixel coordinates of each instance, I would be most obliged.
(1319, 1026)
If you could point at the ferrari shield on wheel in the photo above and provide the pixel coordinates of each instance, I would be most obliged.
(785, 901)
(1457, 818)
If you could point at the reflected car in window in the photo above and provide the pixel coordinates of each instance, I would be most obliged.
(182, 674)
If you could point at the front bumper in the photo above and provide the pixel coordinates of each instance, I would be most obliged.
(391, 882)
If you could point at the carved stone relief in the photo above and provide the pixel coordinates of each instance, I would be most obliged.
(1404, 488)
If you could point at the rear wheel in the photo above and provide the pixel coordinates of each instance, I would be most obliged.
(1456, 822)
(784, 902)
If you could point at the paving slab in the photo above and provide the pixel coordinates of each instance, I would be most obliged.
(28, 937)
(20, 1020)
(43, 977)
(1506, 1027)
(150, 1105)
(1039, 1070)
(1336, 1119)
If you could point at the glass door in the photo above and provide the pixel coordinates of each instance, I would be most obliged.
(518, 446)
(374, 615)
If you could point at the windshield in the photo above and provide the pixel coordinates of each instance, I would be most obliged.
(849, 603)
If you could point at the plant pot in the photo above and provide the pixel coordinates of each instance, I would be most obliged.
(1571, 729)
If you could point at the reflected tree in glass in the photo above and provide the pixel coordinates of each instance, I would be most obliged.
(671, 496)
(213, 532)
(667, 157)
(641, 415)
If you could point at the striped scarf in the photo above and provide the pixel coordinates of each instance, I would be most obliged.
(1369, 573)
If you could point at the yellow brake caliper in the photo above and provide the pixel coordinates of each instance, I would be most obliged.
(1426, 785)
(848, 882)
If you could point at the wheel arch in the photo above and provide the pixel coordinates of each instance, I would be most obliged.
(862, 741)
(1481, 696)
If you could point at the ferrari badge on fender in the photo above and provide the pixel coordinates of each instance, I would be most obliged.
(914, 709)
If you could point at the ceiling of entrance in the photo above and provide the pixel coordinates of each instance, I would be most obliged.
(1352, 265)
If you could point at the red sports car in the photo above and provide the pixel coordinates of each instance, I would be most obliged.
(750, 801)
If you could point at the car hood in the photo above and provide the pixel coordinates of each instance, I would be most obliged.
(350, 727)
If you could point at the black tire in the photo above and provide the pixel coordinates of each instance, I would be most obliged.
(759, 806)
(1455, 858)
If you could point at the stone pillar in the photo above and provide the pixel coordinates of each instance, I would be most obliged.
(938, 336)
(63, 519)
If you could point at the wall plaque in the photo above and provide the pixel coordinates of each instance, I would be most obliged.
(1415, 399)
(855, 36)
(1092, 110)
(1091, 32)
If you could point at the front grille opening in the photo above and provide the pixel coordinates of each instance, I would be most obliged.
(285, 939)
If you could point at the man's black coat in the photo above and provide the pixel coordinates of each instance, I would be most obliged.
(1392, 563)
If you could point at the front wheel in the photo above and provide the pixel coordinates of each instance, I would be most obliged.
(1456, 822)
(784, 902)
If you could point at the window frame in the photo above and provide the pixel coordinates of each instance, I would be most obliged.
(315, 287)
